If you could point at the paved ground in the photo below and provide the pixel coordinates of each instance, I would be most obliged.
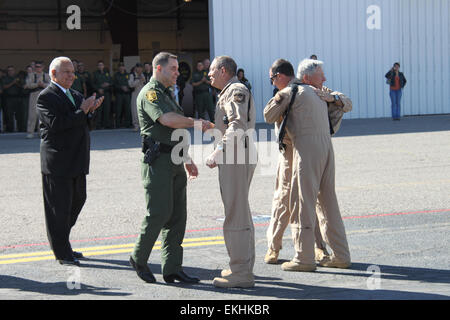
(393, 182)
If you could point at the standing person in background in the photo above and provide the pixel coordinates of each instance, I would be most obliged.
(12, 97)
(396, 81)
(136, 82)
(86, 78)
(35, 82)
(102, 82)
(148, 71)
(79, 84)
(202, 97)
(123, 98)
(243, 79)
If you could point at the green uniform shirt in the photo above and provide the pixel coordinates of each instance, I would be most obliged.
(78, 83)
(14, 90)
(196, 77)
(121, 80)
(153, 101)
(100, 78)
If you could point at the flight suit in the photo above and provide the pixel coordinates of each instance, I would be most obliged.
(164, 183)
(103, 117)
(281, 215)
(313, 175)
(236, 113)
(123, 100)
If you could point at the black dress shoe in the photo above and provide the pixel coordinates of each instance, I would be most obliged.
(181, 277)
(69, 262)
(77, 255)
(143, 272)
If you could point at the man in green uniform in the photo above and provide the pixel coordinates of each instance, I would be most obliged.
(202, 97)
(102, 82)
(14, 106)
(164, 181)
(79, 83)
(86, 78)
(123, 98)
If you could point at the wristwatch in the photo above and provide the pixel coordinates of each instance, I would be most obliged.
(336, 98)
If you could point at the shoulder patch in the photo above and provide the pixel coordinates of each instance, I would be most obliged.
(238, 97)
(151, 95)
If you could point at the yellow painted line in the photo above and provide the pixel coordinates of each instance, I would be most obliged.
(103, 250)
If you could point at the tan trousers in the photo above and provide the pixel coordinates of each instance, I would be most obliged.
(238, 229)
(314, 178)
(134, 114)
(32, 113)
(281, 213)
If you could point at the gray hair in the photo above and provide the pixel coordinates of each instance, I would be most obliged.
(308, 67)
(56, 64)
(228, 63)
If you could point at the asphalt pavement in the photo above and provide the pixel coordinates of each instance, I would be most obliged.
(392, 183)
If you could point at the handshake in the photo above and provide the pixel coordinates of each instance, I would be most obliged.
(206, 125)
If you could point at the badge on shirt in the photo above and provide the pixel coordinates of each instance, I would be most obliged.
(151, 96)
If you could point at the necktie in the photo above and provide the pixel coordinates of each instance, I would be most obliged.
(69, 95)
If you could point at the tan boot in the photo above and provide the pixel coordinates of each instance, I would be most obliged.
(333, 262)
(321, 255)
(225, 273)
(296, 266)
(271, 257)
(235, 281)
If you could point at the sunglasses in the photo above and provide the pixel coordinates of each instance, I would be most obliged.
(273, 77)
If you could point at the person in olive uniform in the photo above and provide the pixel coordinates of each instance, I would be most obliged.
(86, 78)
(14, 106)
(202, 97)
(79, 84)
(164, 181)
(102, 82)
(122, 93)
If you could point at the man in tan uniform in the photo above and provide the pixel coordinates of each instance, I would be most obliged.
(313, 172)
(235, 115)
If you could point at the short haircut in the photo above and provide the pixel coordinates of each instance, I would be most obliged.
(397, 64)
(228, 63)
(282, 66)
(307, 67)
(162, 59)
(56, 64)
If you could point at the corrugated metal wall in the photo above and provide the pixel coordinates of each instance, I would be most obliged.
(412, 32)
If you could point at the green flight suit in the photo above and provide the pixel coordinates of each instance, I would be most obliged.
(122, 105)
(103, 117)
(14, 104)
(202, 97)
(164, 184)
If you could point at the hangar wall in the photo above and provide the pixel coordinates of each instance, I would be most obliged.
(358, 40)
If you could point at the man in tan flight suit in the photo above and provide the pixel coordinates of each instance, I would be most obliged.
(313, 171)
(235, 115)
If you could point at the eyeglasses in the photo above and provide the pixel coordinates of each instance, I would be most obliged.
(273, 77)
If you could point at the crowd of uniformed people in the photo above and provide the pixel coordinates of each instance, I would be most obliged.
(19, 90)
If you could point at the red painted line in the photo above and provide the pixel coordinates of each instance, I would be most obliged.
(220, 228)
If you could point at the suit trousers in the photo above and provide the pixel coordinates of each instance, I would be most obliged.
(238, 229)
(63, 200)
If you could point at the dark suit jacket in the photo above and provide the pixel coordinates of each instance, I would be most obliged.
(64, 129)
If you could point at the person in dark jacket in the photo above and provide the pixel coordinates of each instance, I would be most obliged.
(65, 119)
(396, 81)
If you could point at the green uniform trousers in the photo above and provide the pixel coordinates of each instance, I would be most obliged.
(165, 194)
(122, 110)
(204, 104)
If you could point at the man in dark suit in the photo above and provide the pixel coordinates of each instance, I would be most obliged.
(65, 118)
